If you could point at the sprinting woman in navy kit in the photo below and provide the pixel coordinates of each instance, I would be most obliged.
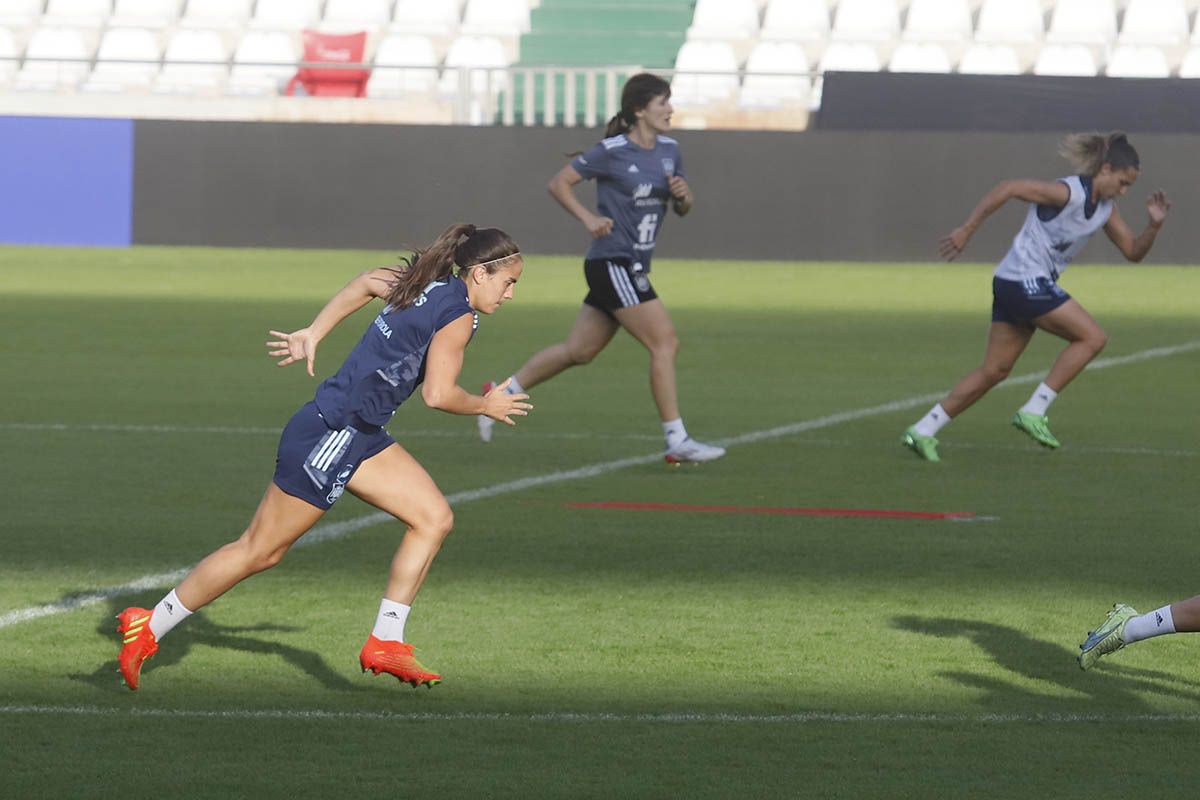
(1062, 215)
(336, 442)
(638, 173)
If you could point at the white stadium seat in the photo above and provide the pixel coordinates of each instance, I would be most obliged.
(9, 54)
(430, 17)
(1065, 59)
(127, 59)
(482, 55)
(724, 19)
(495, 18)
(776, 75)
(54, 58)
(1083, 22)
(1011, 21)
(1137, 61)
(843, 57)
(1162, 22)
(18, 15)
(919, 57)
(796, 20)
(406, 54)
(862, 20)
(938, 21)
(76, 13)
(156, 14)
(286, 15)
(217, 13)
(357, 15)
(263, 62)
(194, 61)
(1190, 67)
(690, 87)
(990, 59)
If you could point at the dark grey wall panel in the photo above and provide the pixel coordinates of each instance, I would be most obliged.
(816, 195)
(1017, 103)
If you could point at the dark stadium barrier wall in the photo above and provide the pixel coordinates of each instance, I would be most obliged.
(877, 196)
(896, 101)
(66, 181)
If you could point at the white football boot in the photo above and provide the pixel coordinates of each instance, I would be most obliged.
(691, 450)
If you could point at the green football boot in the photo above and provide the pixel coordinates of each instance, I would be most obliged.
(924, 446)
(1108, 638)
(1037, 426)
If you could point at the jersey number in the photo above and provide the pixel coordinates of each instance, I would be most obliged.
(646, 228)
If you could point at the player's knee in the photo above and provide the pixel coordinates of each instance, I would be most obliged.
(580, 354)
(1097, 340)
(666, 346)
(994, 372)
(437, 520)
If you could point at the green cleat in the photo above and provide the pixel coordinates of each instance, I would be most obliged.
(1108, 638)
(1037, 426)
(924, 446)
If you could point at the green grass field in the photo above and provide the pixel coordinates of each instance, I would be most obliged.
(597, 652)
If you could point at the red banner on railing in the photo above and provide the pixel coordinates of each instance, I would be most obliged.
(332, 48)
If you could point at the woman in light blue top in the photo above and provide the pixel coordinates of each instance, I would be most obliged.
(1062, 215)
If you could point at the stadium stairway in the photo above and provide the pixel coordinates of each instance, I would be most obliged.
(597, 33)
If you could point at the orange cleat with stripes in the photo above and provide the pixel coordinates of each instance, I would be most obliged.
(396, 658)
(137, 645)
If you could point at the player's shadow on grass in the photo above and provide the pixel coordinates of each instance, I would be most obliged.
(200, 630)
(1106, 687)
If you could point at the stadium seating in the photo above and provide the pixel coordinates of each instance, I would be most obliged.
(286, 15)
(866, 20)
(990, 59)
(796, 20)
(938, 21)
(194, 62)
(153, 14)
(55, 58)
(706, 72)
(427, 17)
(776, 74)
(356, 15)
(77, 13)
(1065, 59)
(263, 62)
(1137, 61)
(20, 15)
(127, 59)
(1083, 22)
(8, 57)
(404, 64)
(1010, 21)
(210, 14)
(1157, 22)
(923, 57)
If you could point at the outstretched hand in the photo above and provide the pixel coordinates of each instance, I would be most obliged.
(1158, 206)
(291, 347)
(501, 406)
(952, 245)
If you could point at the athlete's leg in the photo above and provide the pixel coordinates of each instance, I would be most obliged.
(1086, 339)
(279, 521)
(1005, 344)
(394, 482)
(591, 333)
(651, 325)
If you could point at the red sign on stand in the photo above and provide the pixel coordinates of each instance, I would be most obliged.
(333, 81)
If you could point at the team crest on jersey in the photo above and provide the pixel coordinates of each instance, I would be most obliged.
(668, 165)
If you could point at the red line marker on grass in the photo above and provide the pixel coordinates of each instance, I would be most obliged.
(796, 512)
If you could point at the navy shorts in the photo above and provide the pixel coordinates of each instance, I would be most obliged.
(616, 283)
(1021, 302)
(315, 461)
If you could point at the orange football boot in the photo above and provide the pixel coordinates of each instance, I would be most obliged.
(396, 658)
(138, 643)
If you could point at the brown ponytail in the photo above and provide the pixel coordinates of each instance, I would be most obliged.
(1088, 152)
(462, 246)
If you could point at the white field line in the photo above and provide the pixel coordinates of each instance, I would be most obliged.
(798, 718)
(337, 530)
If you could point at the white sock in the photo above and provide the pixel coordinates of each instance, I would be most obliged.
(1040, 400)
(674, 432)
(933, 422)
(514, 386)
(167, 614)
(1156, 623)
(389, 625)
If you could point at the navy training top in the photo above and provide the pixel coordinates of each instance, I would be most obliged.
(388, 363)
(632, 190)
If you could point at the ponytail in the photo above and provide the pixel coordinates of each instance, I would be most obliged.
(463, 246)
(1088, 152)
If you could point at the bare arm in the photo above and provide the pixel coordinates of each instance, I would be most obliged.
(1136, 248)
(442, 368)
(1050, 193)
(562, 189)
(302, 344)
